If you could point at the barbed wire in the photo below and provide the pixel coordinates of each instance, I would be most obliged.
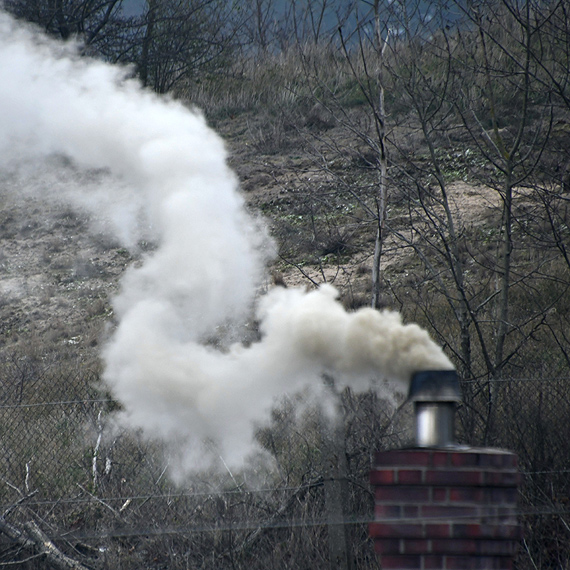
(528, 379)
(112, 401)
(233, 492)
(57, 403)
(241, 525)
(48, 449)
(181, 495)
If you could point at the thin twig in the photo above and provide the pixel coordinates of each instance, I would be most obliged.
(114, 511)
(23, 499)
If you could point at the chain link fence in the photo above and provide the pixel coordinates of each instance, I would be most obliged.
(106, 497)
(529, 415)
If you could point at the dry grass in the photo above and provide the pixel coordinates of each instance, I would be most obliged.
(307, 169)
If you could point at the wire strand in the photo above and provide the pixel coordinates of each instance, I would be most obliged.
(233, 526)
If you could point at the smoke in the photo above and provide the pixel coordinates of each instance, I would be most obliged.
(80, 131)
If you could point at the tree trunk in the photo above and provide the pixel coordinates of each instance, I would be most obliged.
(380, 121)
(147, 41)
(335, 471)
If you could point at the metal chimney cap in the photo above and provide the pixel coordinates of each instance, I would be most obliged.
(435, 386)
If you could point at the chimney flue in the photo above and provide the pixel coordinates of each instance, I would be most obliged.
(440, 505)
(435, 394)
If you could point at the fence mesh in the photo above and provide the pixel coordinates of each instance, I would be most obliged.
(105, 496)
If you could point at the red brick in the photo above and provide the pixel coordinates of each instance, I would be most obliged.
(500, 460)
(440, 458)
(478, 563)
(403, 494)
(489, 517)
(403, 458)
(497, 547)
(401, 562)
(410, 511)
(387, 546)
(472, 530)
(460, 563)
(433, 562)
(500, 531)
(449, 512)
(382, 511)
(502, 496)
(502, 478)
(488, 513)
(410, 477)
(382, 477)
(442, 530)
(511, 461)
(468, 495)
(454, 477)
(455, 546)
(416, 546)
(506, 515)
(439, 494)
(395, 530)
(464, 459)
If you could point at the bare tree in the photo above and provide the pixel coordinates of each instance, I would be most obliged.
(475, 108)
(379, 113)
(260, 25)
(169, 41)
(64, 18)
(181, 40)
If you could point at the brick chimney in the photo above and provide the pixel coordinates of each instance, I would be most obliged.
(440, 505)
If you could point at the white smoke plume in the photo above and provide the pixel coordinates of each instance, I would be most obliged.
(156, 168)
